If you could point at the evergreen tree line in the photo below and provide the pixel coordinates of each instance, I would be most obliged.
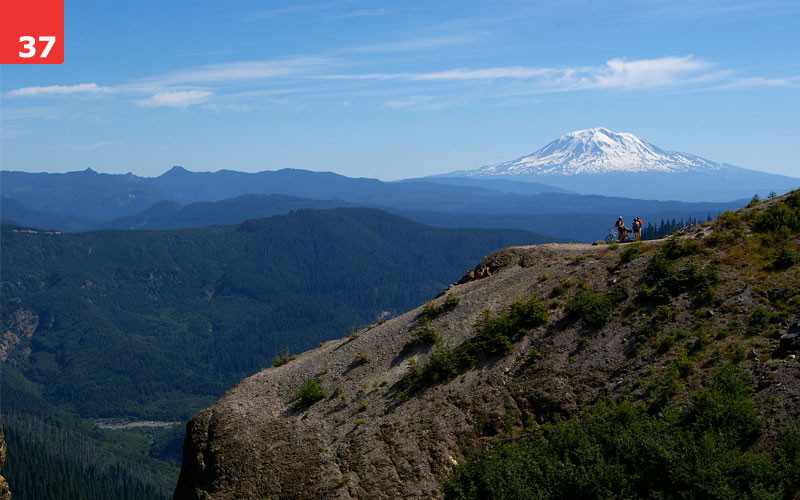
(49, 459)
(666, 227)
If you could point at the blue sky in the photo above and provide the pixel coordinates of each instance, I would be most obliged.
(402, 89)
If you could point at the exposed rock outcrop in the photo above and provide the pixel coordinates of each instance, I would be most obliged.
(22, 325)
(5, 494)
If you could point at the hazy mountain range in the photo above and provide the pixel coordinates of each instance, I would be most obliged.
(82, 201)
(570, 188)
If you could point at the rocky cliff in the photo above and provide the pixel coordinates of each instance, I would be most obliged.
(5, 494)
(389, 410)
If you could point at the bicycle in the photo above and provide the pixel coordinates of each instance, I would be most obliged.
(612, 235)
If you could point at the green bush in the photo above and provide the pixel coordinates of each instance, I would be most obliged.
(496, 332)
(643, 334)
(776, 217)
(729, 220)
(783, 259)
(788, 456)
(451, 301)
(719, 239)
(310, 391)
(284, 358)
(592, 308)
(427, 334)
(446, 362)
(666, 280)
(701, 451)
(631, 252)
(675, 248)
(758, 321)
(726, 408)
(668, 339)
(793, 200)
(432, 310)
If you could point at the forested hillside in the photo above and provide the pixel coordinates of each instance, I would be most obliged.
(50, 458)
(155, 324)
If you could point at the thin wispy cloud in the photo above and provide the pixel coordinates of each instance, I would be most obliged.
(95, 145)
(81, 88)
(31, 113)
(694, 9)
(641, 74)
(361, 13)
(759, 82)
(616, 73)
(281, 12)
(517, 72)
(248, 81)
(258, 93)
(239, 71)
(514, 72)
(176, 99)
(416, 102)
(178, 88)
(415, 44)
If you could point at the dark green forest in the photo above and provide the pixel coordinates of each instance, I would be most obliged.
(58, 457)
(155, 325)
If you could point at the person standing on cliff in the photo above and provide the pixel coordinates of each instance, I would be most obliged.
(637, 229)
(620, 225)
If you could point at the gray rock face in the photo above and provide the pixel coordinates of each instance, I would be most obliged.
(5, 494)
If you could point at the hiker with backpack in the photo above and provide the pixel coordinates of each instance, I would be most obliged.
(637, 228)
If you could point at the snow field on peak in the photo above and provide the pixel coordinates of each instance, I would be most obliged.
(599, 151)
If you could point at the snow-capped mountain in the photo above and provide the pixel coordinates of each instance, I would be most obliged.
(599, 151)
(599, 161)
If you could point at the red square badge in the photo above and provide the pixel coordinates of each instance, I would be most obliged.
(31, 31)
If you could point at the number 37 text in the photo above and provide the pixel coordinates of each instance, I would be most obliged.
(29, 45)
